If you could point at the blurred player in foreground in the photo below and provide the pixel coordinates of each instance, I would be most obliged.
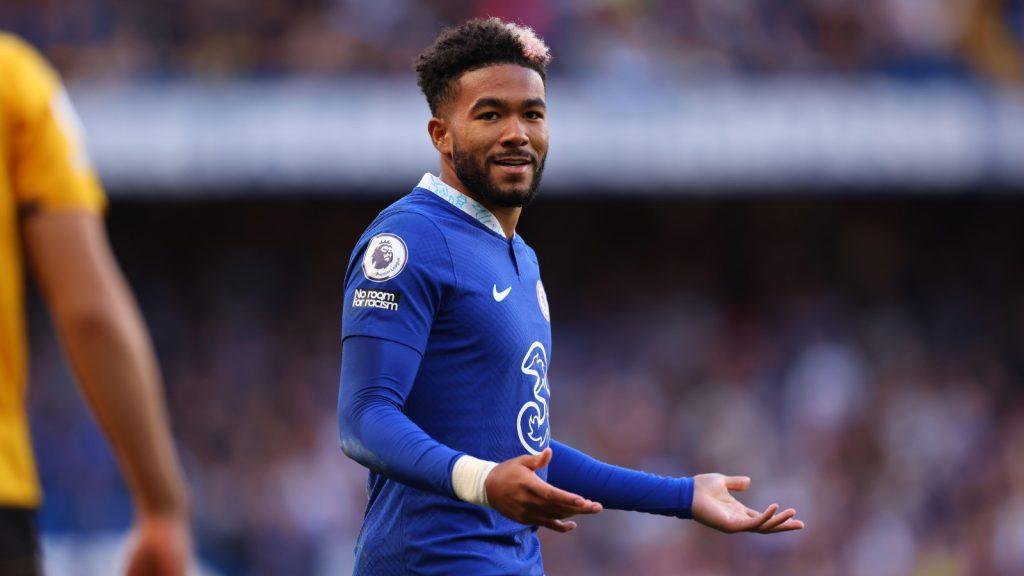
(51, 202)
(444, 391)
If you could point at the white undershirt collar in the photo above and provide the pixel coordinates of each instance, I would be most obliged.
(462, 202)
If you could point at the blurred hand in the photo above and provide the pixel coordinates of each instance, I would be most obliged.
(515, 490)
(161, 546)
(715, 507)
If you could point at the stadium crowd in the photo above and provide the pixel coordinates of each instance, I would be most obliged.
(652, 39)
(862, 361)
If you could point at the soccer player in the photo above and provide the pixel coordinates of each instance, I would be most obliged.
(444, 390)
(51, 210)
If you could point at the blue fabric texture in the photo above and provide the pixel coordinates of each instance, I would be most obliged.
(618, 488)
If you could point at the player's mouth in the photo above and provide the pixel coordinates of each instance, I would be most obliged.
(513, 164)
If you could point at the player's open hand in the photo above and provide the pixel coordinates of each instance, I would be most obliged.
(515, 490)
(160, 547)
(714, 506)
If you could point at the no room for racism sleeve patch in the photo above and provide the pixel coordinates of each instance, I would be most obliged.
(382, 299)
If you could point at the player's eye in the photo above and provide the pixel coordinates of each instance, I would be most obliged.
(488, 116)
(534, 115)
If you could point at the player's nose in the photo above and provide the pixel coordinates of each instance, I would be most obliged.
(515, 135)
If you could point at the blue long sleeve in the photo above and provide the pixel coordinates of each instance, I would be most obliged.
(616, 487)
(376, 378)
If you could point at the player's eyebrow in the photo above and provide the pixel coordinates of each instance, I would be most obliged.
(488, 103)
(502, 104)
(535, 103)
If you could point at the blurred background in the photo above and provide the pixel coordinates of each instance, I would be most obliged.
(780, 238)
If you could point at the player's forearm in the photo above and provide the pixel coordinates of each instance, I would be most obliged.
(109, 349)
(379, 436)
(616, 487)
(116, 369)
(376, 377)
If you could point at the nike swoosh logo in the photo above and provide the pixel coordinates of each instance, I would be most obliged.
(499, 296)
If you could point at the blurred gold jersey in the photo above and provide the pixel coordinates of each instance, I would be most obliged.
(43, 167)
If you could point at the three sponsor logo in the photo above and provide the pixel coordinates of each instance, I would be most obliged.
(532, 424)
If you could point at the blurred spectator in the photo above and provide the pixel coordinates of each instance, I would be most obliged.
(118, 39)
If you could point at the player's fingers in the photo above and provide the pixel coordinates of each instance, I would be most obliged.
(787, 526)
(537, 507)
(538, 461)
(757, 521)
(560, 511)
(545, 457)
(776, 520)
(562, 526)
(737, 483)
(563, 511)
(556, 497)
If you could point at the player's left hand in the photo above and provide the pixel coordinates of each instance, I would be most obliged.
(161, 546)
(715, 507)
(515, 490)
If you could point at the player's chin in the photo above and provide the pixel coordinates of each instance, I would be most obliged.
(513, 184)
(510, 195)
(516, 197)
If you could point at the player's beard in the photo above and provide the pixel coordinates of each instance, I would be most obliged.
(477, 179)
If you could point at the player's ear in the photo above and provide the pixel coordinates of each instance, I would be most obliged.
(440, 136)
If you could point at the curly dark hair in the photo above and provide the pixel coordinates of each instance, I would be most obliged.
(473, 45)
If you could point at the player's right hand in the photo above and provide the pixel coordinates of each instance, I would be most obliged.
(515, 490)
(161, 546)
(715, 506)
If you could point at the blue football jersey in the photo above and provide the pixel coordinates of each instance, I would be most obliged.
(435, 272)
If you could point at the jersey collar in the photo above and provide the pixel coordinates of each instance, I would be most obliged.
(462, 202)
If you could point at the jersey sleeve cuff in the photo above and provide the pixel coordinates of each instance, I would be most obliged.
(686, 498)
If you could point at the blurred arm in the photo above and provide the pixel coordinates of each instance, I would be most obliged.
(616, 487)
(110, 352)
(988, 40)
(376, 378)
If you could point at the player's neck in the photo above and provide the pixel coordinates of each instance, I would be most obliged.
(506, 216)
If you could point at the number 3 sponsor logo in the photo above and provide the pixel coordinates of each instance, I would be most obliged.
(532, 421)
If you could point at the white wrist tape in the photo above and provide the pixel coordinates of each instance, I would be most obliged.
(469, 477)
